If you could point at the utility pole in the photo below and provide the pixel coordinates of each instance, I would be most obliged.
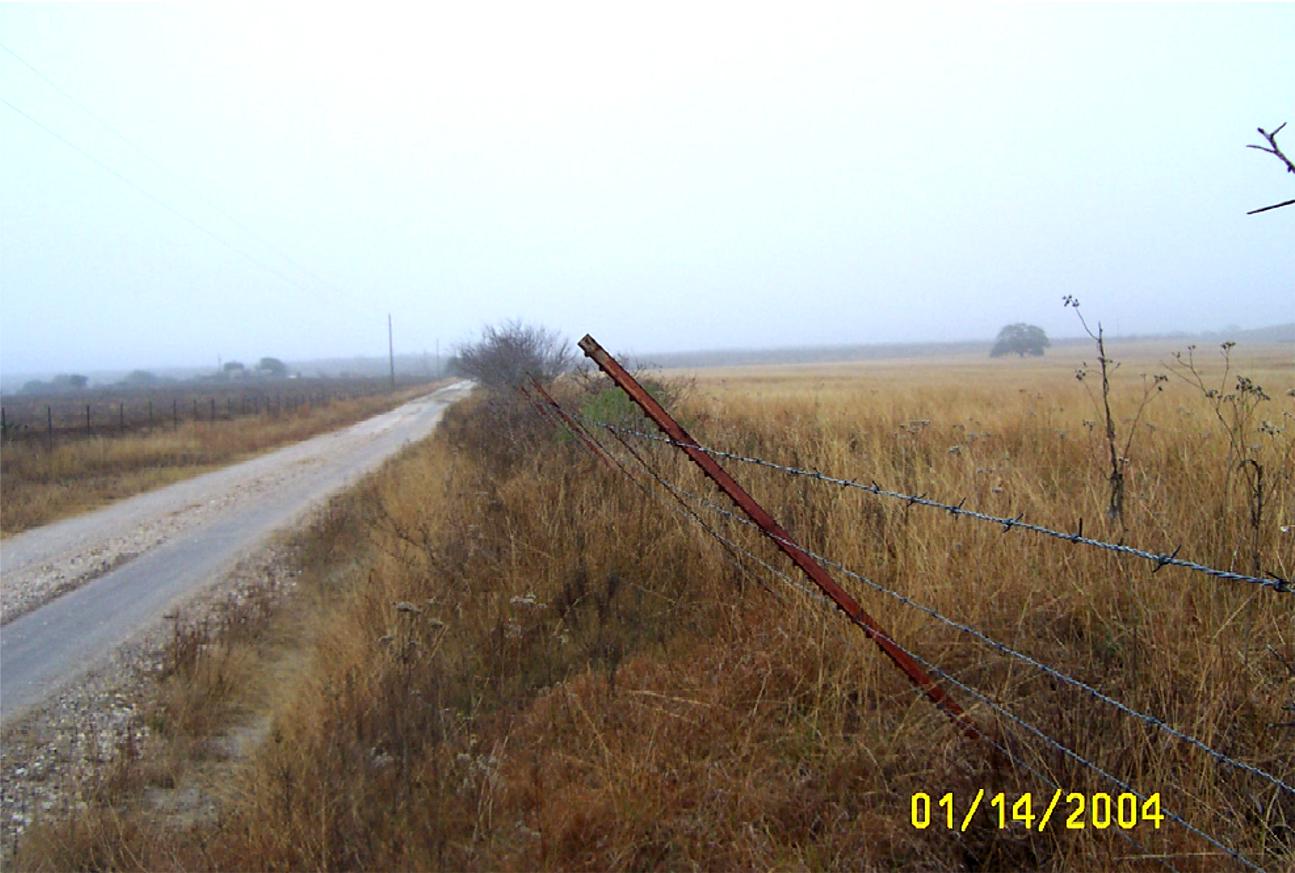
(391, 353)
(438, 358)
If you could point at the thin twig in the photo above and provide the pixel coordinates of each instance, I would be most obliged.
(1273, 149)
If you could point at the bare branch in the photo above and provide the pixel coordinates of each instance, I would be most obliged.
(1274, 206)
(1273, 149)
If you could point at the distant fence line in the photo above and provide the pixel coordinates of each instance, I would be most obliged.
(51, 418)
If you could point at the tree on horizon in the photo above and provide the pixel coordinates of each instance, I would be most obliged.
(1020, 339)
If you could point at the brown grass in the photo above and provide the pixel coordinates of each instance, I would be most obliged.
(44, 482)
(518, 661)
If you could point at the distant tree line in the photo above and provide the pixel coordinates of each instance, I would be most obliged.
(232, 371)
(266, 368)
(63, 383)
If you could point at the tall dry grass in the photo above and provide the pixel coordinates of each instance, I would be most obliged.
(521, 661)
(43, 481)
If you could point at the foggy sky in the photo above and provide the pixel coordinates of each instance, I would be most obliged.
(665, 177)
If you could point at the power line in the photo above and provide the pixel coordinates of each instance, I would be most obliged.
(150, 158)
(154, 199)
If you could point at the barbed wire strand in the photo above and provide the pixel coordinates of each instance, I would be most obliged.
(1042, 735)
(1004, 649)
(1161, 559)
(816, 595)
(593, 445)
(1080, 759)
(680, 493)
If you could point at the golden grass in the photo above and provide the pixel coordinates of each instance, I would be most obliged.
(40, 483)
(519, 661)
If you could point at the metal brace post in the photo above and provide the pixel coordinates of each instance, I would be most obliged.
(770, 527)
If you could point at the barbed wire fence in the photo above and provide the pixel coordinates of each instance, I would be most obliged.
(682, 496)
(690, 507)
(959, 510)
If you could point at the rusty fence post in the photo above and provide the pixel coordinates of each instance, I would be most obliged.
(781, 538)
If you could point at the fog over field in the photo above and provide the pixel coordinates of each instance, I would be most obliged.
(182, 184)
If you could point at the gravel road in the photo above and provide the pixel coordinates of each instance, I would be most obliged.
(76, 590)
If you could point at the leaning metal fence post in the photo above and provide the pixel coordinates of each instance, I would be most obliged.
(770, 527)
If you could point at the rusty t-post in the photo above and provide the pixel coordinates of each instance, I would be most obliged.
(770, 527)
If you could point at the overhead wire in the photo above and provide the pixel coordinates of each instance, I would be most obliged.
(321, 283)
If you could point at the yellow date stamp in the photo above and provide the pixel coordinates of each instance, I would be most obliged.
(1074, 810)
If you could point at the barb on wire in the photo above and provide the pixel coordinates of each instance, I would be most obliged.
(598, 450)
(819, 597)
(1080, 759)
(1161, 559)
(680, 494)
(1004, 649)
(1042, 735)
(569, 422)
(734, 549)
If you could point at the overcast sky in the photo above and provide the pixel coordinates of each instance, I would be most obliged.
(665, 177)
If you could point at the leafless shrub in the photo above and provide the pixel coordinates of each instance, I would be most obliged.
(1153, 385)
(508, 354)
(1236, 407)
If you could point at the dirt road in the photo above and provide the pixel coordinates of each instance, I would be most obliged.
(75, 590)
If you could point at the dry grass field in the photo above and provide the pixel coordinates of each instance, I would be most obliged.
(505, 655)
(43, 481)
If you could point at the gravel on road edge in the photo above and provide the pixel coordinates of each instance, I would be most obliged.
(54, 755)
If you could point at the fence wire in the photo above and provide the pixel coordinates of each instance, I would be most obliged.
(1080, 759)
(681, 496)
(1002, 710)
(1160, 559)
(1004, 649)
